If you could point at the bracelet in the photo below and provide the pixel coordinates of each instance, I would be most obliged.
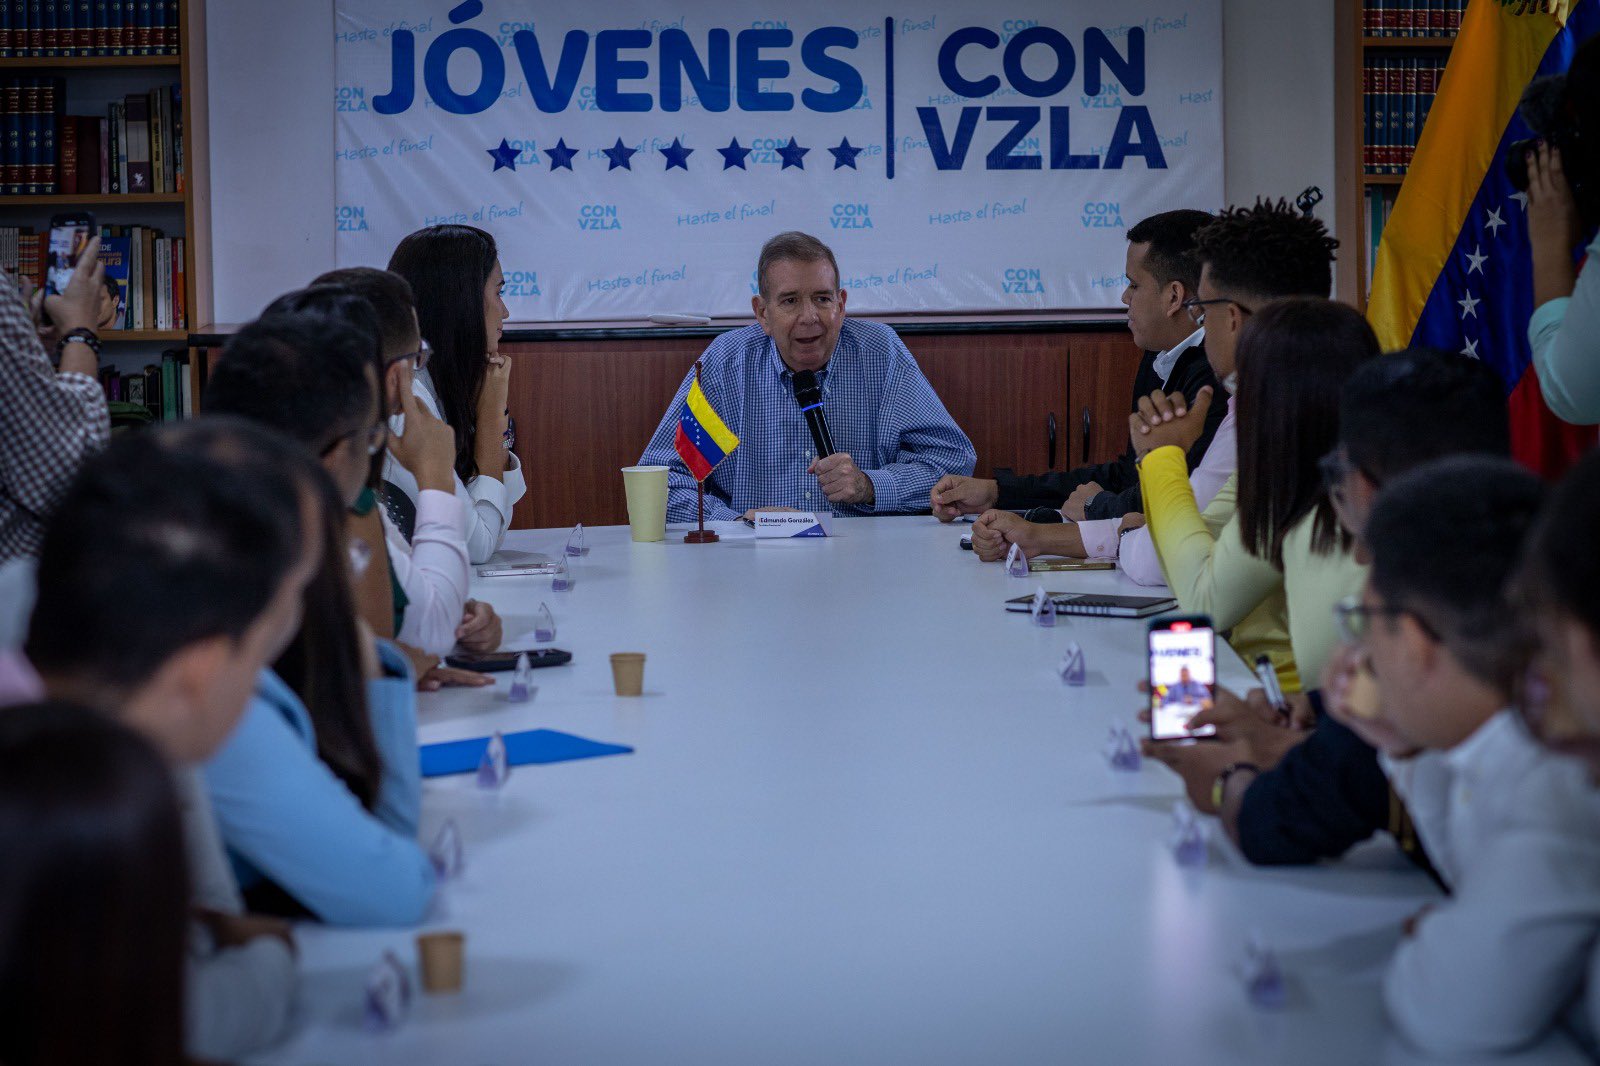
(83, 336)
(1220, 786)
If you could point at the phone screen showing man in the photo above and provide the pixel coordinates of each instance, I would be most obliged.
(66, 243)
(1183, 678)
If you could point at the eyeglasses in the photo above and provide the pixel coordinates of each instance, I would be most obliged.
(419, 358)
(1354, 619)
(377, 436)
(1197, 308)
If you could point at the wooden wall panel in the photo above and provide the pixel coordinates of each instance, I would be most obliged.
(586, 408)
(1001, 390)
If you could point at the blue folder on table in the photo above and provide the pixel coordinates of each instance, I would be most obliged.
(529, 746)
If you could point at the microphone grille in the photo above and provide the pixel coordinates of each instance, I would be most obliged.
(806, 389)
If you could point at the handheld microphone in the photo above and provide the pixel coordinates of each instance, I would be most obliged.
(808, 394)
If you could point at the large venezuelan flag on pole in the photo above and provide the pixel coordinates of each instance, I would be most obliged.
(702, 440)
(1453, 269)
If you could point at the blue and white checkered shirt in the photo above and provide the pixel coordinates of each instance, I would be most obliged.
(881, 411)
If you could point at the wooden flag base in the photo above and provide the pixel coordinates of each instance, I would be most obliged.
(701, 535)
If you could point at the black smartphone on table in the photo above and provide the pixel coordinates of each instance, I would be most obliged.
(69, 234)
(491, 662)
(1183, 675)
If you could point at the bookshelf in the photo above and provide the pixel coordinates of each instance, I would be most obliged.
(90, 83)
(1379, 36)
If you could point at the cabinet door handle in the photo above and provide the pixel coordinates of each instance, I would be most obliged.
(1088, 430)
(1050, 438)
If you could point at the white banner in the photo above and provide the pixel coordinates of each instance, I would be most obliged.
(631, 158)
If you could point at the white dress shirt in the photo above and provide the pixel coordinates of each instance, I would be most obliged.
(432, 571)
(485, 501)
(1515, 831)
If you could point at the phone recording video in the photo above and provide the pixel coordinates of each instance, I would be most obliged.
(69, 234)
(1183, 676)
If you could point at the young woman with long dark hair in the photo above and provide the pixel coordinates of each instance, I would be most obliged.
(1284, 541)
(454, 272)
(318, 792)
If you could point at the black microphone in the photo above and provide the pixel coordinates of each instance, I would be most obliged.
(808, 394)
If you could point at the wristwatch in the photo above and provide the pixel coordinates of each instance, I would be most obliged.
(1220, 786)
(82, 335)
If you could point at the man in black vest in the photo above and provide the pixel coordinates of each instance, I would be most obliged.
(1162, 273)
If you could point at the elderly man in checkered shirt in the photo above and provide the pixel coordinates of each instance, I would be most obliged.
(894, 436)
(51, 418)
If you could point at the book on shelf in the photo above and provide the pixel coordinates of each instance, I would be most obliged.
(1397, 95)
(147, 266)
(44, 151)
(69, 29)
(1411, 18)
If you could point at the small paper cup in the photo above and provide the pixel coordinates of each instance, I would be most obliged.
(441, 960)
(627, 673)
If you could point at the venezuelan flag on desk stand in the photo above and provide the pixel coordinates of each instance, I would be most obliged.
(1453, 268)
(703, 440)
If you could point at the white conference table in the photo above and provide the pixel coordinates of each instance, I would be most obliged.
(865, 822)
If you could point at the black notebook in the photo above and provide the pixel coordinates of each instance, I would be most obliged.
(1098, 604)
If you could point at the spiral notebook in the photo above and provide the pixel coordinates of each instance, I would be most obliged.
(1094, 603)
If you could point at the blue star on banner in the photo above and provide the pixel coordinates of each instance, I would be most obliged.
(733, 155)
(677, 155)
(504, 156)
(844, 155)
(793, 155)
(560, 155)
(619, 154)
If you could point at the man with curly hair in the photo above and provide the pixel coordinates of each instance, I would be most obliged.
(1249, 256)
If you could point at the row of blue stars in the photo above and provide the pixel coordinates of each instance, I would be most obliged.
(620, 155)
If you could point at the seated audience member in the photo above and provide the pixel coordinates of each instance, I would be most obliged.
(1559, 585)
(1249, 256)
(1512, 828)
(226, 544)
(1564, 203)
(50, 421)
(894, 436)
(1162, 274)
(1291, 796)
(454, 274)
(94, 893)
(1284, 539)
(337, 836)
(410, 597)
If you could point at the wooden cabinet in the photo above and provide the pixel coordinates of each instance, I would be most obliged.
(1103, 368)
(585, 407)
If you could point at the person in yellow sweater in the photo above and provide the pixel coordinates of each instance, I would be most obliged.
(1284, 538)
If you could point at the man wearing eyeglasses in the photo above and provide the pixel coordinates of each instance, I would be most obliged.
(1309, 789)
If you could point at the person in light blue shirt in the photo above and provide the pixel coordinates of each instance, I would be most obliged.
(894, 437)
(287, 819)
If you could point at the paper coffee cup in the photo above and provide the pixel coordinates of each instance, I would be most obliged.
(627, 673)
(440, 960)
(646, 489)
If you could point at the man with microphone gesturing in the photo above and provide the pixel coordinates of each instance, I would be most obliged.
(832, 415)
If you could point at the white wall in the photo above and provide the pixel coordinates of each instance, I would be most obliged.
(271, 77)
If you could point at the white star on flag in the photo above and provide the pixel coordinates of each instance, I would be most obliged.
(1521, 198)
(1471, 350)
(1494, 223)
(1475, 260)
(1469, 306)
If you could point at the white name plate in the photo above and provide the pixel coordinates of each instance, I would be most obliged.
(793, 524)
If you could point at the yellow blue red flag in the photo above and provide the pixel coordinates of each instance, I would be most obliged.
(703, 440)
(1453, 269)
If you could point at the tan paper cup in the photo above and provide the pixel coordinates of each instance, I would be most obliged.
(627, 673)
(646, 488)
(440, 960)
